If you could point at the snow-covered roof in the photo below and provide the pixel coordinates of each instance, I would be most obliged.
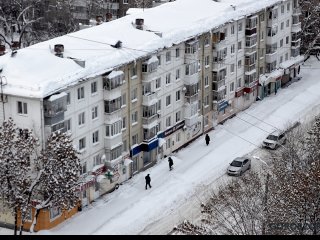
(269, 77)
(36, 72)
(134, 10)
(292, 61)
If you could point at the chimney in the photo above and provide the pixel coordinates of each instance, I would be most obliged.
(59, 49)
(99, 19)
(2, 49)
(139, 23)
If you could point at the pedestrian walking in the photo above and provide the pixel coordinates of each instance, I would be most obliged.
(170, 163)
(207, 138)
(148, 181)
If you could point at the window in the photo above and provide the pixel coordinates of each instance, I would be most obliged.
(239, 83)
(177, 52)
(281, 43)
(124, 100)
(206, 81)
(239, 64)
(287, 40)
(206, 41)
(22, 108)
(288, 7)
(168, 100)
(113, 129)
(158, 83)
(240, 27)
(177, 74)
(288, 23)
(168, 121)
(282, 26)
(95, 137)
(97, 160)
(54, 212)
(178, 137)
(80, 93)
(286, 56)
(207, 61)
(134, 94)
(68, 98)
(232, 48)
(232, 29)
(68, 125)
(178, 116)
(125, 145)
(94, 112)
(282, 9)
(116, 153)
(239, 45)
(93, 87)
(232, 68)
(168, 78)
(82, 143)
(168, 56)
(261, 35)
(83, 168)
(178, 95)
(124, 123)
(81, 118)
(134, 117)
(232, 87)
(135, 139)
(261, 17)
(133, 71)
(159, 60)
(206, 101)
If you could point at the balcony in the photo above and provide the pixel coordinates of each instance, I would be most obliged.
(297, 11)
(295, 44)
(217, 66)
(149, 99)
(111, 94)
(110, 118)
(251, 31)
(191, 79)
(271, 57)
(112, 142)
(296, 27)
(250, 50)
(150, 120)
(249, 68)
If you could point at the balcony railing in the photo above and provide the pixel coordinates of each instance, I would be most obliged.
(149, 99)
(149, 120)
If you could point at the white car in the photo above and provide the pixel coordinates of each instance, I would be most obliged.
(238, 166)
(274, 140)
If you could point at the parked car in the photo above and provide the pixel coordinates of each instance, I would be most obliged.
(274, 140)
(238, 166)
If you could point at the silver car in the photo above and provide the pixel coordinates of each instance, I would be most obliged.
(239, 165)
(274, 140)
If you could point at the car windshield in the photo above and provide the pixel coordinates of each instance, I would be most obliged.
(272, 137)
(236, 164)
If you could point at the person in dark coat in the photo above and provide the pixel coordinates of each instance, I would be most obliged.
(207, 139)
(148, 181)
(170, 163)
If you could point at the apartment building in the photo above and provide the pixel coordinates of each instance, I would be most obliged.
(131, 97)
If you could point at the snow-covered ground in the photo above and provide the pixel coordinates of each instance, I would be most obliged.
(175, 195)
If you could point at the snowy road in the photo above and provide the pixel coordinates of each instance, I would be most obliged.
(176, 194)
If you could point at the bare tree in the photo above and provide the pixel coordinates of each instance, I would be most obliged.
(310, 34)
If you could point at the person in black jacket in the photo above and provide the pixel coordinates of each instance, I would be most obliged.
(148, 181)
(207, 139)
(170, 163)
